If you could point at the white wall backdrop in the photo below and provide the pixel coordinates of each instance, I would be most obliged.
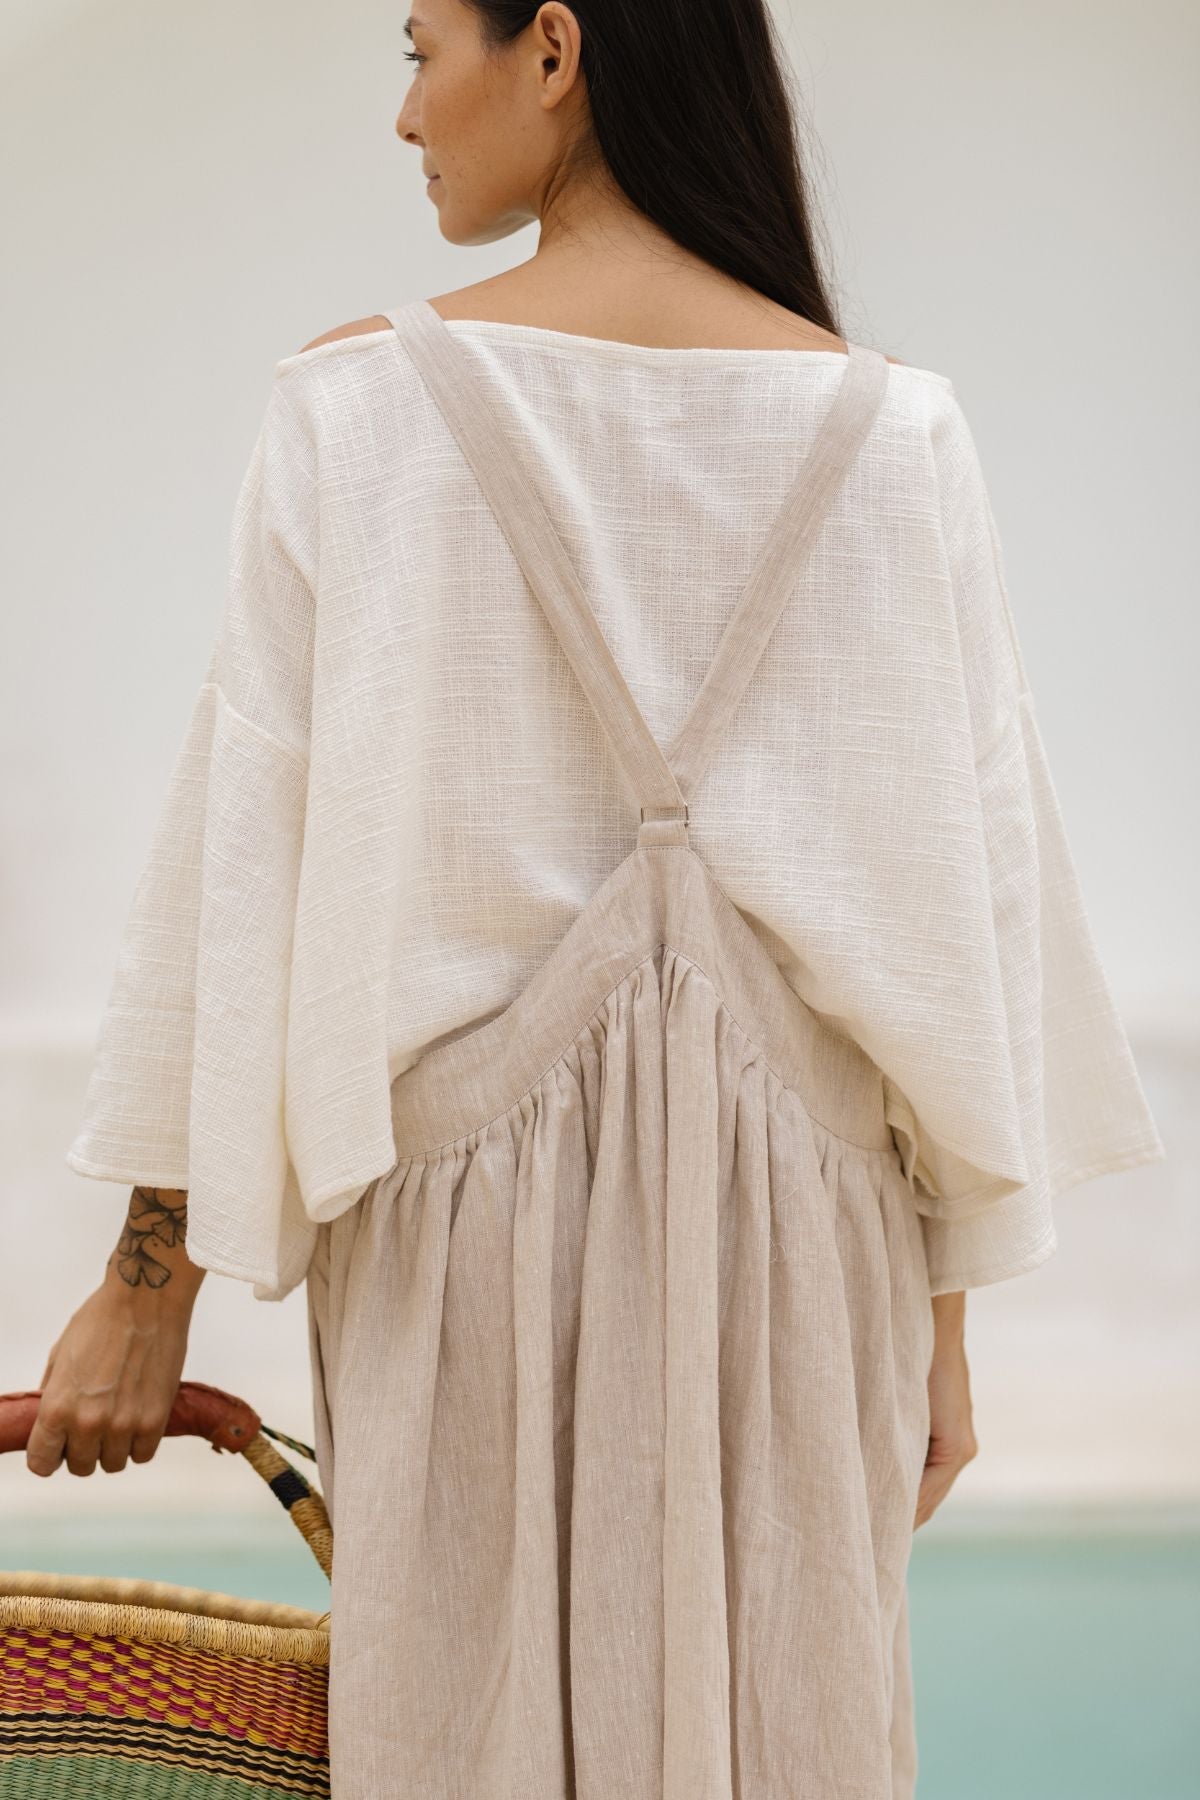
(1009, 195)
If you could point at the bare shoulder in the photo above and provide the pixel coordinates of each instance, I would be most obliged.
(356, 328)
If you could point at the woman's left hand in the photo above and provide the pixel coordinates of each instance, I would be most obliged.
(951, 1432)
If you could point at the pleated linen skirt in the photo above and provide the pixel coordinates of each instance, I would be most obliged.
(620, 1391)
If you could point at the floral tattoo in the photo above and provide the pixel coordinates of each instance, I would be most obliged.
(150, 1220)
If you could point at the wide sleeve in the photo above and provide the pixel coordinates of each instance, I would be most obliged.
(1075, 1097)
(187, 1085)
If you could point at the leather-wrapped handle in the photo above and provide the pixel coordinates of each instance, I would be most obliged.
(197, 1411)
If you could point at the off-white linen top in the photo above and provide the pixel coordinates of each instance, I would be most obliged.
(393, 799)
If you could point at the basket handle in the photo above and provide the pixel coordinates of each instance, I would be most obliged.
(228, 1423)
(197, 1411)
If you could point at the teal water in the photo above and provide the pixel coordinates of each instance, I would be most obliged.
(1057, 1667)
(1050, 1664)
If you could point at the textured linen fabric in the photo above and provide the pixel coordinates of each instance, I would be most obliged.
(621, 1372)
(623, 1496)
(393, 799)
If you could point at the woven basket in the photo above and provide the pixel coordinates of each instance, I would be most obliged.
(142, 1690)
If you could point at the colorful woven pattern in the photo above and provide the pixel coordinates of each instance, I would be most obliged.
(83, 1713)
(112, 1685)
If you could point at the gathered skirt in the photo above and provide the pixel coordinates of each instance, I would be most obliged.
(620, 1396)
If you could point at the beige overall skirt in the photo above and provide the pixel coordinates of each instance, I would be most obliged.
(620, 1372)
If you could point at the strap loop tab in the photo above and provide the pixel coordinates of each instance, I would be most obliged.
(665, 825)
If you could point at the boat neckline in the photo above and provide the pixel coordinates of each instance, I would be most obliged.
(624, 347)
(614, 349)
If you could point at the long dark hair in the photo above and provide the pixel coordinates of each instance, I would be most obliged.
(705, 145)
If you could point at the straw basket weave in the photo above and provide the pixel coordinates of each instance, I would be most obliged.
(142, 1690)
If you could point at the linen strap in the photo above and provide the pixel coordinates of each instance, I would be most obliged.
(658, 782)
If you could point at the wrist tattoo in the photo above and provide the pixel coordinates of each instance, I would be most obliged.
(152, 1220)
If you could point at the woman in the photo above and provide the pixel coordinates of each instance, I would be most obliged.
(392, 805)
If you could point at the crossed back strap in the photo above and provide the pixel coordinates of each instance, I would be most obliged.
(658, 782)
